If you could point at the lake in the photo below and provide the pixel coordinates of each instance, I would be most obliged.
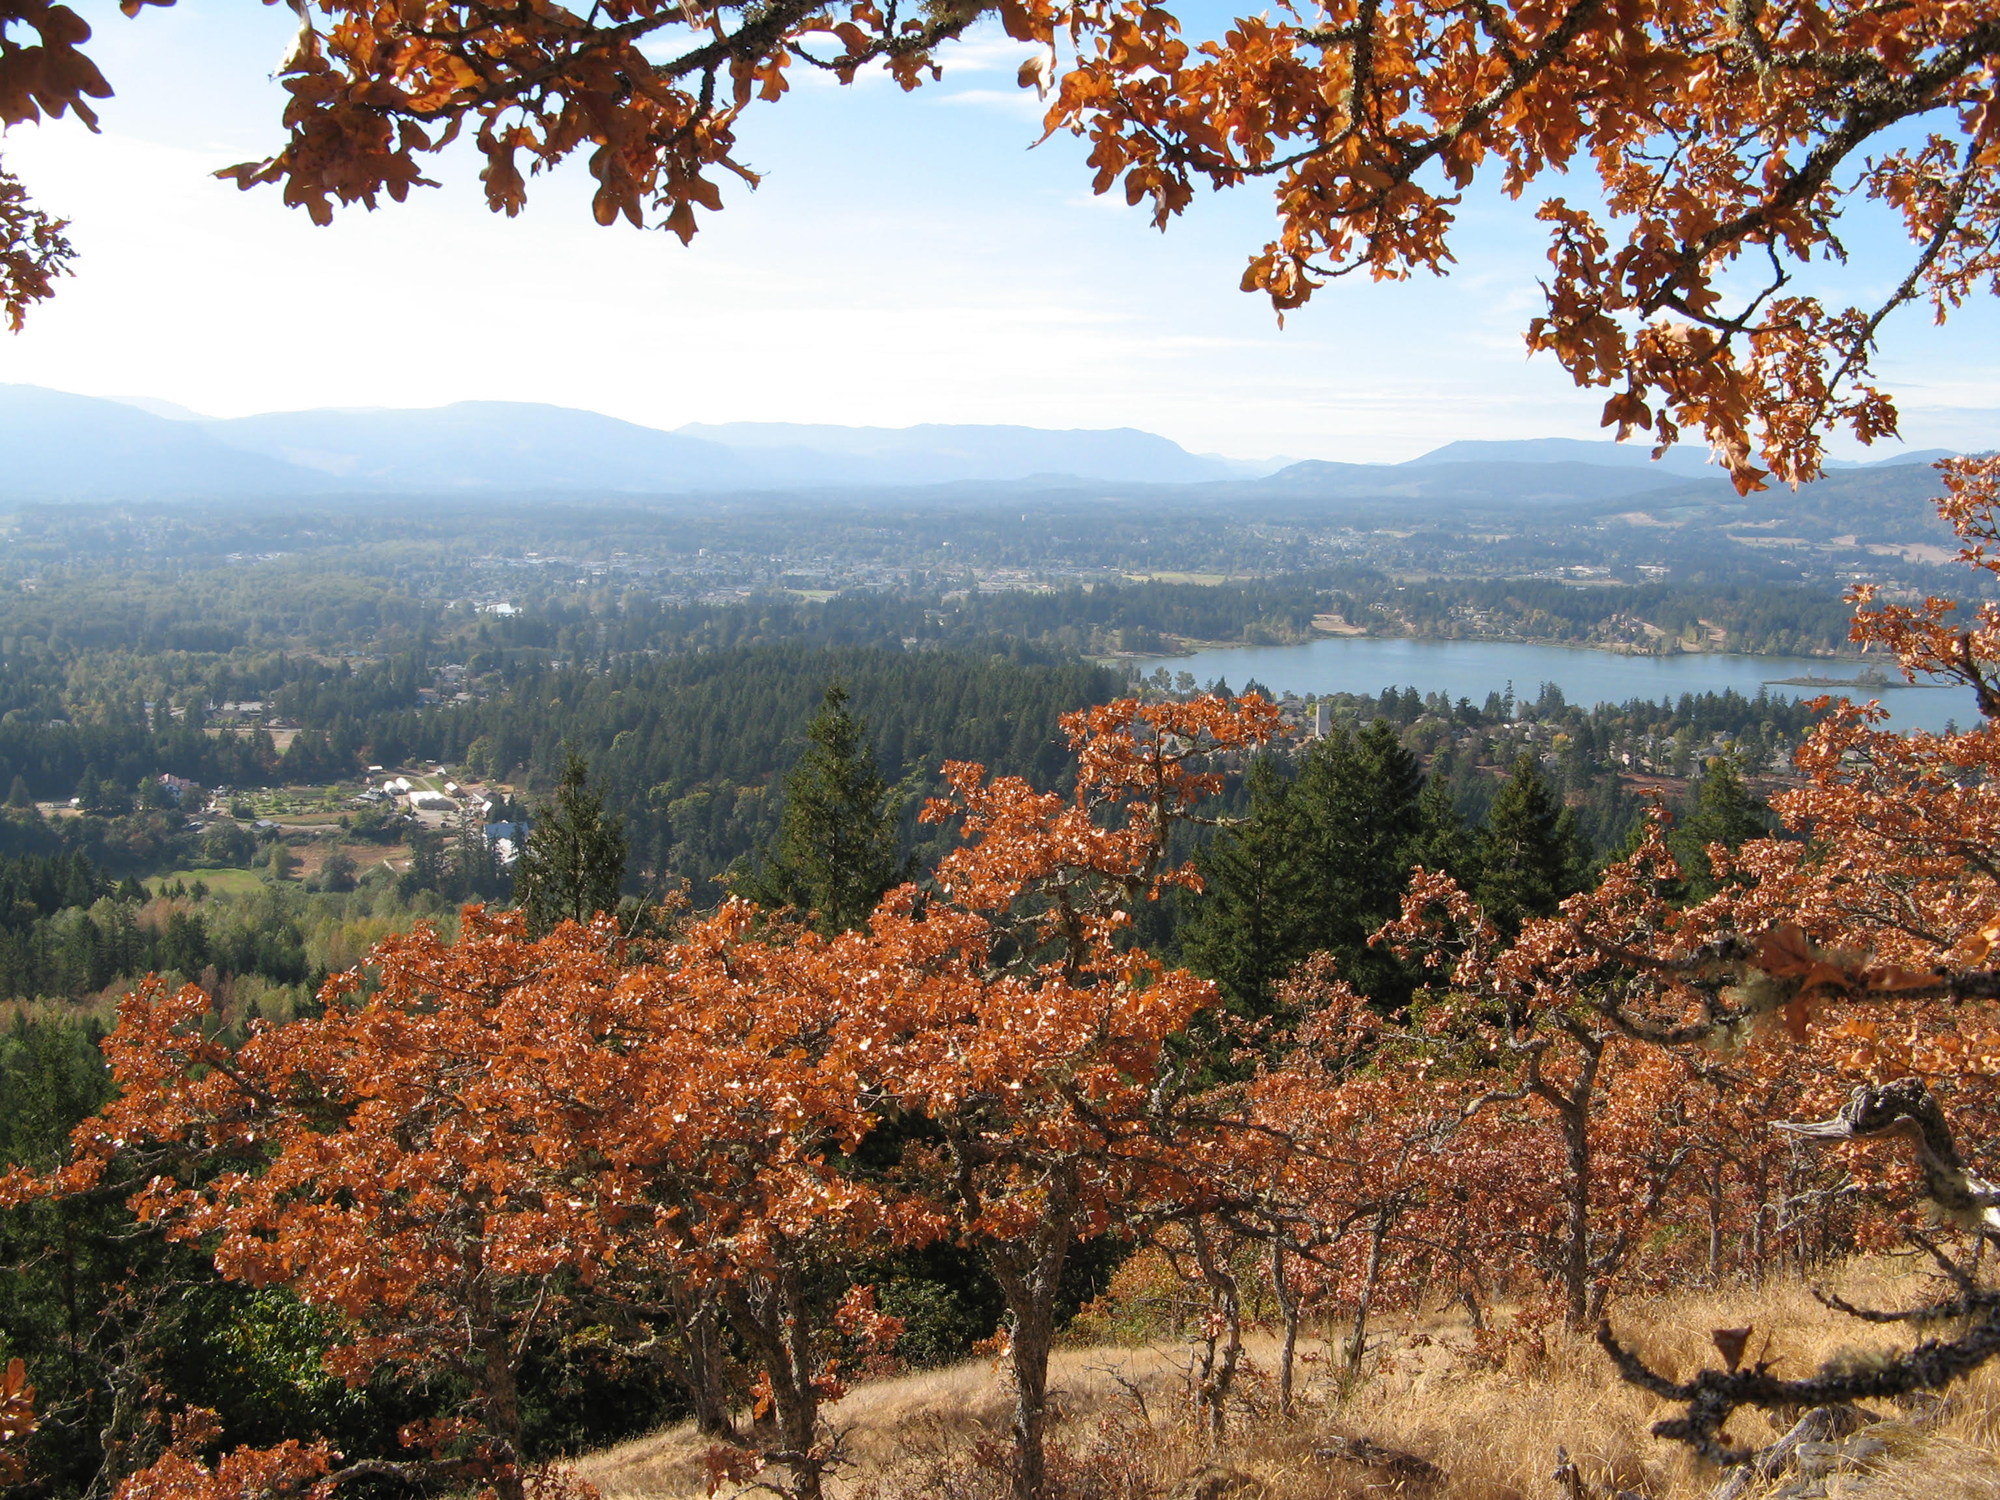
(1472, 669)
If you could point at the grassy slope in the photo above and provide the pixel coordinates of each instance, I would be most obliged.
(1493, 1430)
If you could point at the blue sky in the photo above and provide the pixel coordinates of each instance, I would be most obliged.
(908, 259)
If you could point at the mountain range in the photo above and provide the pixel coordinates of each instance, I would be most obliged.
(57, 447)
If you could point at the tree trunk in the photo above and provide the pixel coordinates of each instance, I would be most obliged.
(700, 1317)
(1358, 1344)
(1576, 1248)
(1715, 1204)
(1760, 1198)
(1792, 1245)
(1030, 1278)
(1033, 1335)
(1288, 1308)
(1226, 1301)
(1471, 1290)
(499, 1394)
(773, 1318)
(1575, 1113)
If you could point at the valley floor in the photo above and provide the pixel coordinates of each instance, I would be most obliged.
(1485, 1421)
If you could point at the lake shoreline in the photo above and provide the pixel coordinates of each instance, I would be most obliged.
(1474, 668)
(1191, 647)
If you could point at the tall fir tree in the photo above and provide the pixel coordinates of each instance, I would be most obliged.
(474, 867)
(1530, 854)
(1722, 810)
(1248, 928)
(1320, 863)
(1358, 804)
(425, 871)
(838, 846)
(574, 862)
(1443, 842)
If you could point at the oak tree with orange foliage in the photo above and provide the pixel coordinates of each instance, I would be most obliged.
(17, 1420)
(484, 1138)
(1863, 950)
(497, 1137)
(1035, 1046)
(1553, 1030)
(408, 1160)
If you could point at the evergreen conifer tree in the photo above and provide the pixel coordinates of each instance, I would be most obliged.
(18, 794)
(1318, 866)
(81, 884)
(1530, 855)
(837, 848)
(574, 862)
(426, 868)
(474, 868)
(1612, 820)
(1724, 811)
(1358, 807)
(1443, 841)
(1248, 928)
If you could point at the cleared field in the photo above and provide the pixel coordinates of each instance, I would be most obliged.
(222, 879)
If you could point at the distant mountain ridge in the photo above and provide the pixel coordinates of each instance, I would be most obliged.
(1492, 480)
(937, 453)
(64, 447)
(1689, 460)
(59, 448)
(484, 446)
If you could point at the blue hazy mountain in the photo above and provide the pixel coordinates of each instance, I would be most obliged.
(57, 447)
(801, 454)
(65, 447)
(492, 446)
(1684, 460)
(1486, 481)
(1687, 460)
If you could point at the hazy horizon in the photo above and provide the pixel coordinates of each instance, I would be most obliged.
(908, 260)
(1688, 456)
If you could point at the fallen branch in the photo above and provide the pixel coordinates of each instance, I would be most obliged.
(1359, 1450)
(1823, 1424)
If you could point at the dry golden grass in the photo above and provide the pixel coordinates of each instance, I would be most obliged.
(1493, 1428)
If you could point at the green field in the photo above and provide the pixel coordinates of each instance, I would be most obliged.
(222, 881)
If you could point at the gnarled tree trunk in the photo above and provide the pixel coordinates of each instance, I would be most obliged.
(771, 1314)
(1218, 1373)
(1030, 1275)
(1288, 1310)
(1357, 1346)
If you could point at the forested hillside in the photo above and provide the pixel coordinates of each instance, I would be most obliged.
(1372, 1006)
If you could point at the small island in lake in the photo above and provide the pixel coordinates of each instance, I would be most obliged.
(1873, 678)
